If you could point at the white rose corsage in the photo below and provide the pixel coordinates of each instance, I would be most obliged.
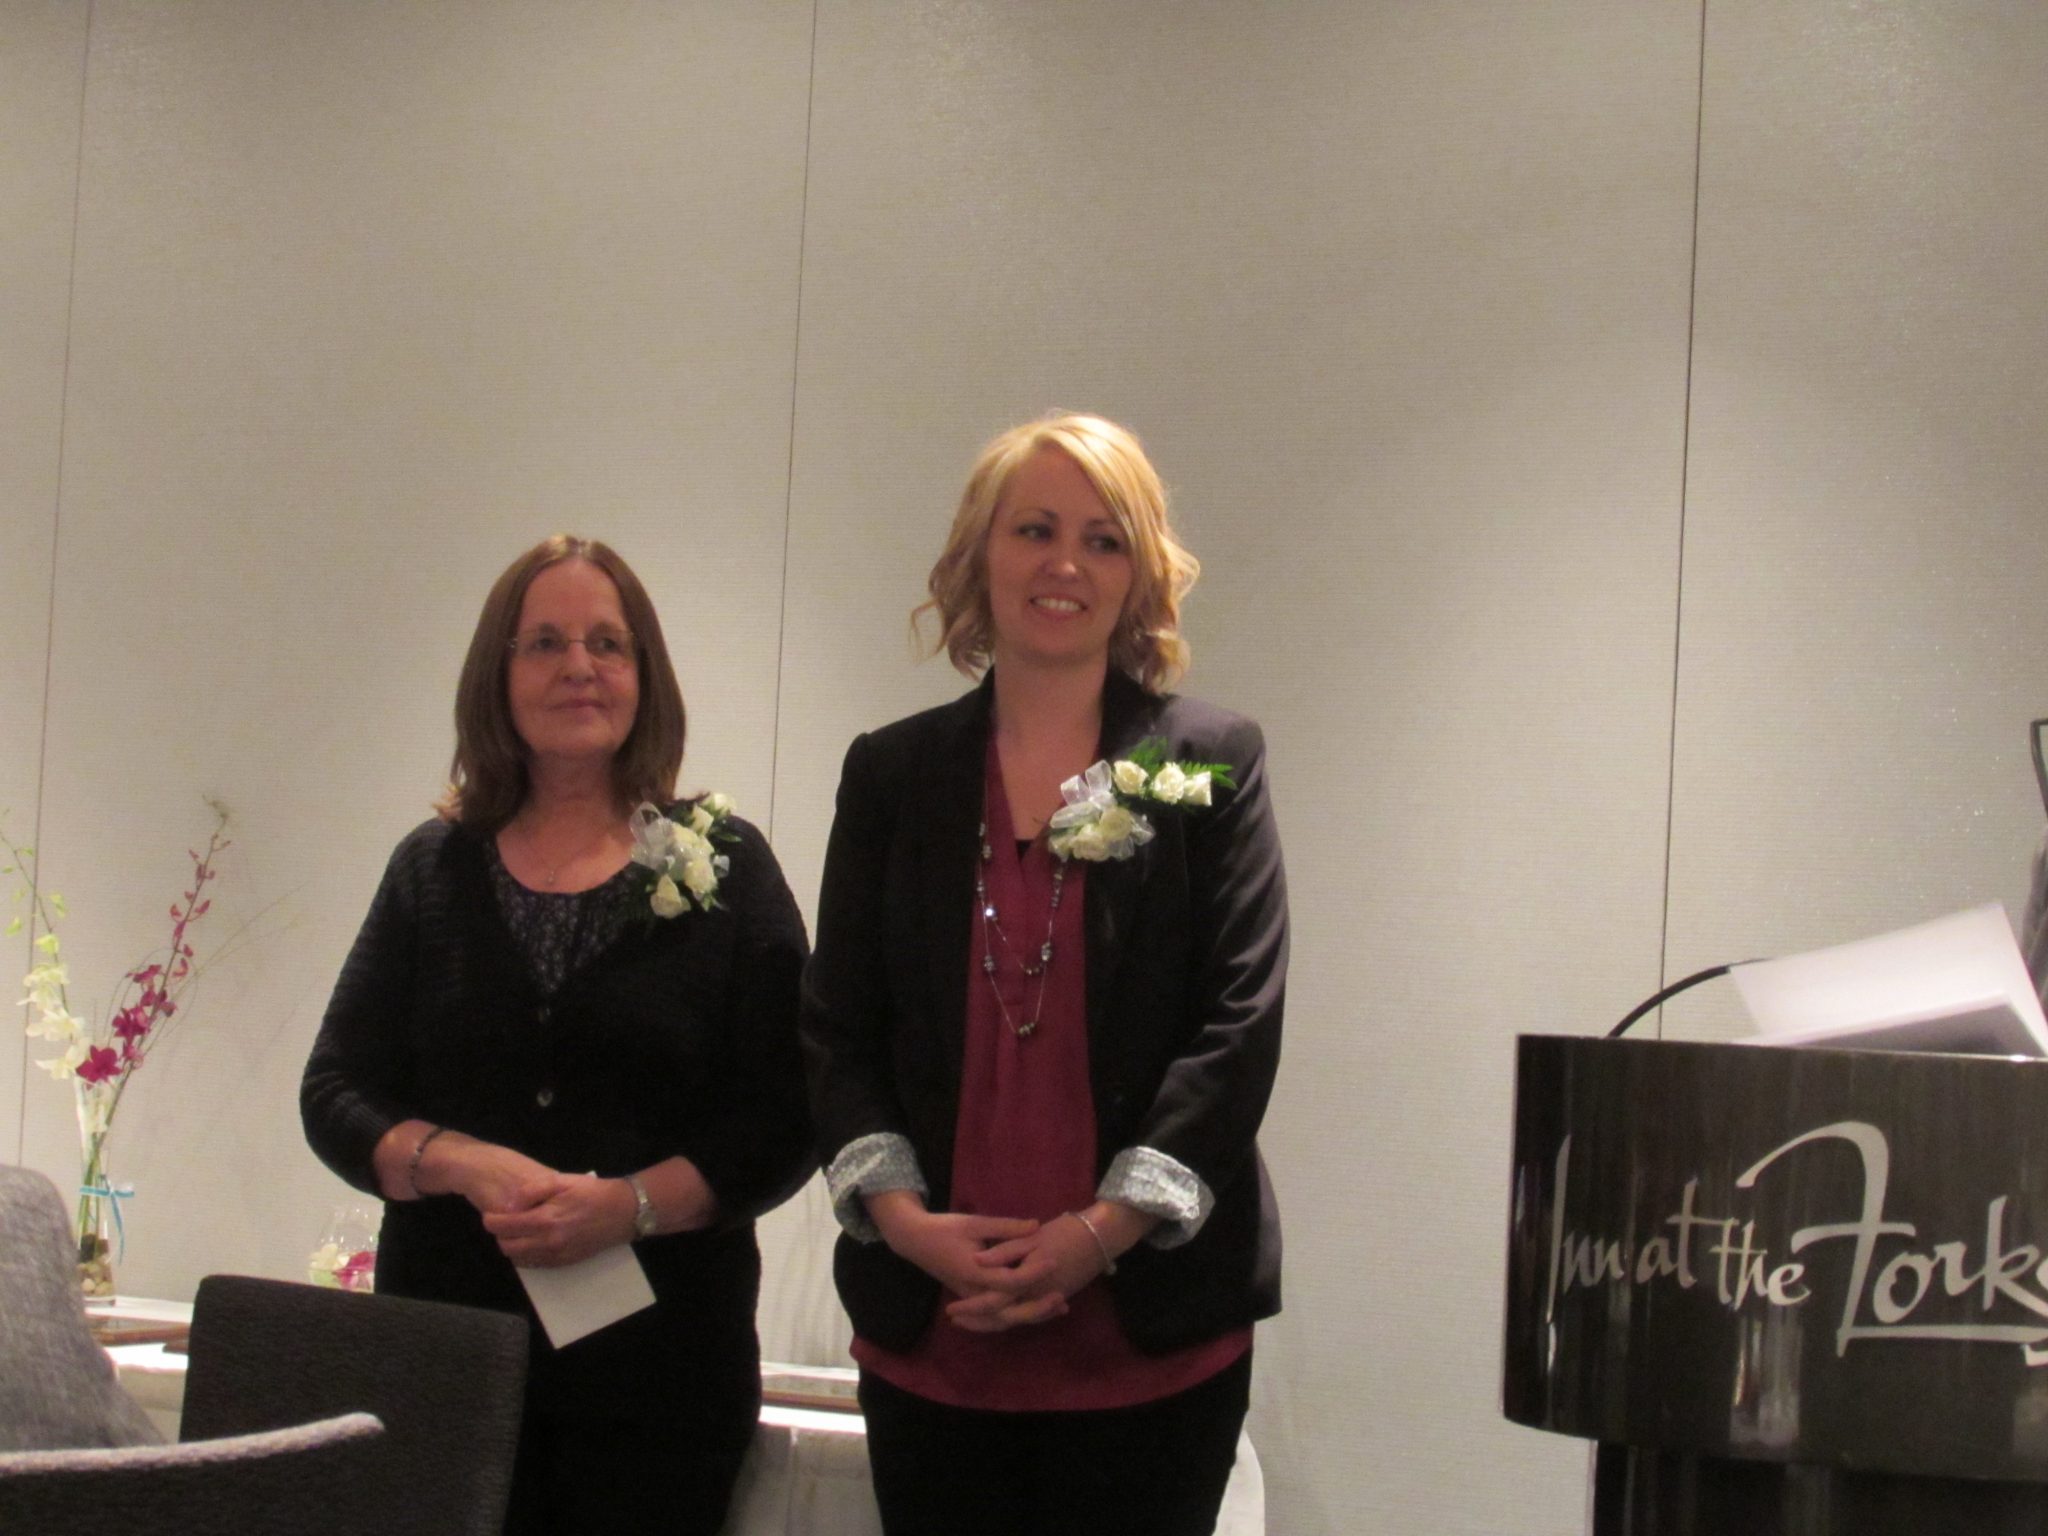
(676, 853)
(1101, 818)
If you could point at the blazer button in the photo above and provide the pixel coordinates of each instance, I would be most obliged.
(545, 1097)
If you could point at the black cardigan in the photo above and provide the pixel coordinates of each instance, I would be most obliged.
(1187, 964)
(679, 1038)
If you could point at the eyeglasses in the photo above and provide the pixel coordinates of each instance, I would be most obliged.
(606, 646)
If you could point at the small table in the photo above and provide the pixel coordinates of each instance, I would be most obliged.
(153, 1375)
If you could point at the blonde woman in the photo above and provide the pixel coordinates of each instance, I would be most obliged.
(1042, 1024)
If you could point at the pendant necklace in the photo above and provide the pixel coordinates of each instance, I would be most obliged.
(992, 923)
(550, 873)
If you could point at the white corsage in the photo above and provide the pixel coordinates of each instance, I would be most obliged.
(676, 850)
(1100, 819)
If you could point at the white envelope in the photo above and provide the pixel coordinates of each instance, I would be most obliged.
(578, 1299)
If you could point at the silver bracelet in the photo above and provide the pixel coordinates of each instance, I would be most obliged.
(1108, 1264)
(412, 1164)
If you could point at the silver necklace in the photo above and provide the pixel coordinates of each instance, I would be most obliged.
(992, 923)
(550, 873)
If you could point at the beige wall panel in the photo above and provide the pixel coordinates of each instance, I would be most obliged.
(1397, 296)
(42, 82)
(370, 298)
(1865, 561)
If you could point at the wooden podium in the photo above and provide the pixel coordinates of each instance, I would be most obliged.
(1787, 1292)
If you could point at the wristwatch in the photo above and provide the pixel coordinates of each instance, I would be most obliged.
(643, 1208)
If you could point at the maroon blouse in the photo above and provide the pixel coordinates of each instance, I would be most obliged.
(1024, 1145)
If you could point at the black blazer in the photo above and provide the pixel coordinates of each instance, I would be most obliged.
(1187, 964)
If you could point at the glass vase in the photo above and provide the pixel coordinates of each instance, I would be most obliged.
(95, 1225)
(346, 1255)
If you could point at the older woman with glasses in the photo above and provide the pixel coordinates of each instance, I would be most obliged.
(569, 1025)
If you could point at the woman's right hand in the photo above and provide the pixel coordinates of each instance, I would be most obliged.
(945, 1244)
(492, 1178)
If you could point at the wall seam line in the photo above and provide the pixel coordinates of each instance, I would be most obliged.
(1684, 493)
(789, 463)
(56, 534)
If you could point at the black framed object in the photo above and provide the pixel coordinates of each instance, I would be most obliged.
(2039, 729)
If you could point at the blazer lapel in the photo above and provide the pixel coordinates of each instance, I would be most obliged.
(946, 815)
(1115, 885)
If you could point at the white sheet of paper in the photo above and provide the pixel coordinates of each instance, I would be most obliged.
(1957, 983)
(579, 1299)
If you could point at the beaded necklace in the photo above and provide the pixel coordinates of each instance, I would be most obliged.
(991, 924)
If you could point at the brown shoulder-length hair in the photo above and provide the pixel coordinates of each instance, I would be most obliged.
(1147, 645)
(487, 782)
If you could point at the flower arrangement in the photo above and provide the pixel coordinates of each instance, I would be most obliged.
(676, 855)
(1102, 818)
(341, 1268)
(99, 1061)
(345, 1259)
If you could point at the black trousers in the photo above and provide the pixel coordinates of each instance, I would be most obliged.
(664, 1470)
(1157, 1469)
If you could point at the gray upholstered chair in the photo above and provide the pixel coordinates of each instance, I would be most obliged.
(446, 1381)
(301, 1481)
(76, 1453)
(57, 1387)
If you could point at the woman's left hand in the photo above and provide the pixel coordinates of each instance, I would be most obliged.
(1039, 1273)
(585, 1215)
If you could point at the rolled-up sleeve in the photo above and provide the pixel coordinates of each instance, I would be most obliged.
(871, 1165)
(862, 1131)
(1204, 1119)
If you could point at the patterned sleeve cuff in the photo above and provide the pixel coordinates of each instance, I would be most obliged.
(871, 1165)
(1150, 1181)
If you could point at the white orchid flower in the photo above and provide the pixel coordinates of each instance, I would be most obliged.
(66, 1065)
(56, 1024)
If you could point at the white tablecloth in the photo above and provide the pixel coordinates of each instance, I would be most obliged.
(807, 1474)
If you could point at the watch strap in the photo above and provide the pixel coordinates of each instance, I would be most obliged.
(643, 1208)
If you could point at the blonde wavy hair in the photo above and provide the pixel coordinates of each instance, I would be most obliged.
(1147, 645)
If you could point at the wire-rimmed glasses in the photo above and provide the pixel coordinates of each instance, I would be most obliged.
(606, 645)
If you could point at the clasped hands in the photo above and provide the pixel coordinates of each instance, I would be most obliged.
(543, 1218)
(540, 1216)
(1002, 1272)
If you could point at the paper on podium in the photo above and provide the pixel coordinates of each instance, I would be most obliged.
(578, 1299)
(1955, 984)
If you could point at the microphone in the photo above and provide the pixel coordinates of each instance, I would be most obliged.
(1667, 993)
